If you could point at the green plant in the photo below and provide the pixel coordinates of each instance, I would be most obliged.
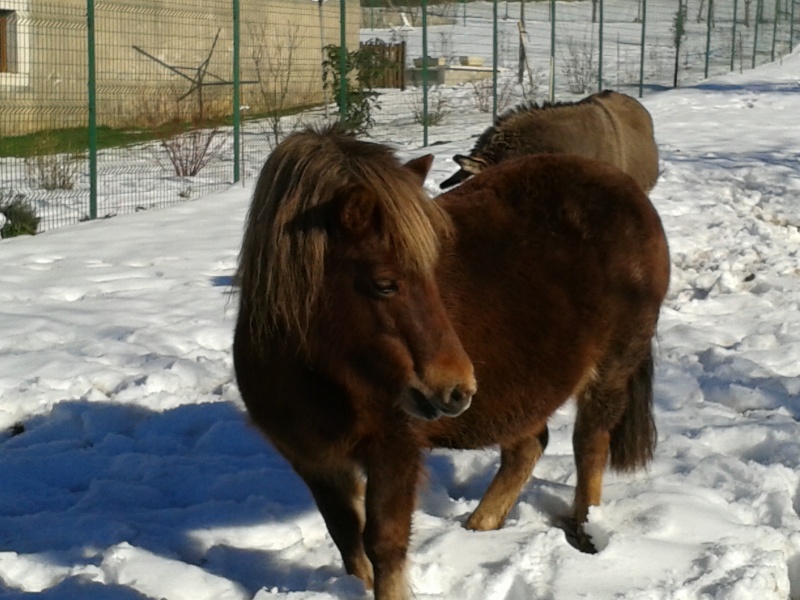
(362, 66)
(20, 216)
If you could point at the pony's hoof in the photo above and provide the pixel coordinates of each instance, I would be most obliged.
(584, 542)
(483, 522)
(576, 536)
(361, 567)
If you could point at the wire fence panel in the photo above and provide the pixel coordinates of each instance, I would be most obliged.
(109, 107)
(43, 88)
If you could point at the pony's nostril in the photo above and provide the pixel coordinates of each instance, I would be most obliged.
(459, 400)
(457, 396)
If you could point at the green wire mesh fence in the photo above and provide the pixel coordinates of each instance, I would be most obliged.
(109, 107)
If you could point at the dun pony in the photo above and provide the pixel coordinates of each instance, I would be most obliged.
(608, 126)
(375, 323)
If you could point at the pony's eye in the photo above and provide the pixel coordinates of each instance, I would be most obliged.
(385, 287)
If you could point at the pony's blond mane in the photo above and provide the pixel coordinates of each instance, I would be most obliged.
(282, 259)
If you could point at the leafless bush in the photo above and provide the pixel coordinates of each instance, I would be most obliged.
(439, 106)
(579, 66)
(190, 152)
(532, 82)
(52, 170)
(274, 57)
(187, 130)
(483, 97)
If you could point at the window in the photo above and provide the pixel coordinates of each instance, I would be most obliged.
(15, 41)
(8, 39)
(5, 40)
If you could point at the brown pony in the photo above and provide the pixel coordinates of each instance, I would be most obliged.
(608, 126)
(375, 323)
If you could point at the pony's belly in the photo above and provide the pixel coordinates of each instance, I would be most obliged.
(479, 430)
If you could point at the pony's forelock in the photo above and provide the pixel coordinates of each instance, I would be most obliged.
(282, 259)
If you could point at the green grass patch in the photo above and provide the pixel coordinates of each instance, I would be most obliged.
(74, 140)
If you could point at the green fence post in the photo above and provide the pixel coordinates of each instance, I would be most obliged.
(733, 36)
(494, 60)
(237, 102)
(708, 35)
(92, 91)
(552, 50)
(791, 28)
(600, 50)
(641, 51)
(424, 72)
(756, 21)
(774, 30)
(342, 61)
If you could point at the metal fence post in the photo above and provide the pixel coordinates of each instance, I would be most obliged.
(791, 27)
(600, 50)
(641, 50)
(342, 61)
(237, 102)
(92, 92)
(733, 36)
(756, 21)
(774, 29)
(494, 60)
(424, 72)
(708, 35)
(552, 50)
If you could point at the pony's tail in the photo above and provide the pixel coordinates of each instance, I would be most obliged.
(633, 440)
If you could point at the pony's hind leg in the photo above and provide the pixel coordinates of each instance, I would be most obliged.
(339, 495)
(591, 446)
(615, 420)
(516, 464)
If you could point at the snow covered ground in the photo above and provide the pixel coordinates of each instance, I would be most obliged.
(129, 470)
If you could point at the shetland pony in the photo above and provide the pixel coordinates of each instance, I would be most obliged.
(375, 323)
(608, 126)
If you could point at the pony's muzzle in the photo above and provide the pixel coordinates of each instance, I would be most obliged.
(422, 402)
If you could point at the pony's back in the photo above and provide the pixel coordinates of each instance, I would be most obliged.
(606, 126)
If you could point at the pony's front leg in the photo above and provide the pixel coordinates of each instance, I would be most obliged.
(516, 465)
(339, 494)
(392, 474)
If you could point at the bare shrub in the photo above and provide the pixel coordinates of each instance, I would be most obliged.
(275, 59)
(190, 152)
(52, 170)
(579, 66)
(482, 93)
(187, 129)
(533, 82)
(439, 106)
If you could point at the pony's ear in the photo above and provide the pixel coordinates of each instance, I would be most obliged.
(354, 211)
(470, 164)
(420, 166)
